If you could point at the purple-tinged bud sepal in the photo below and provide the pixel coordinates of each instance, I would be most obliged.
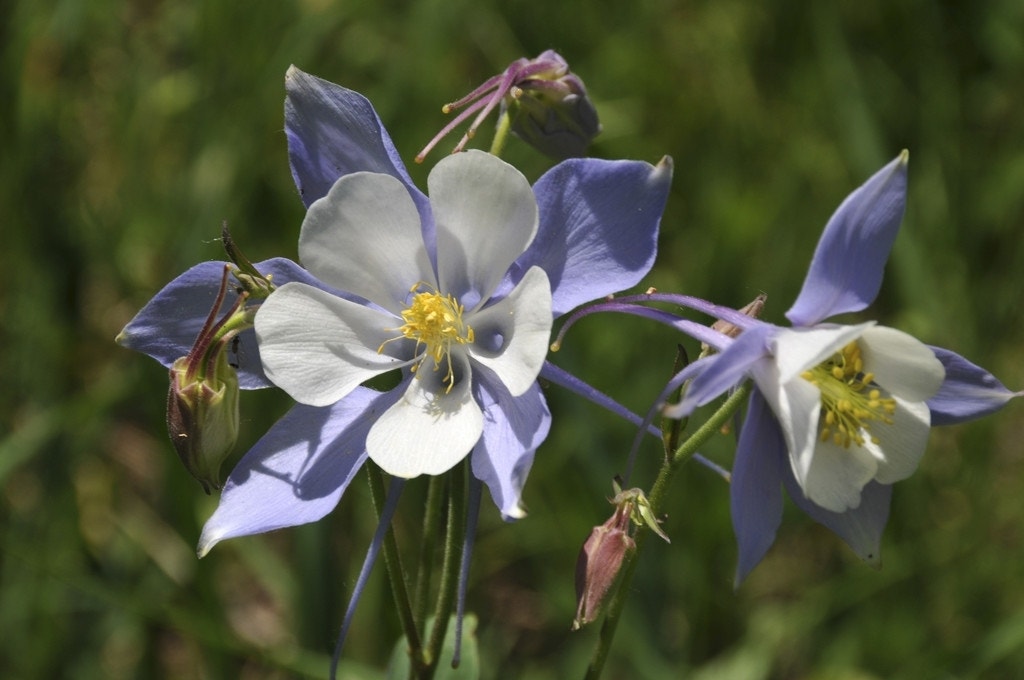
(607, 550)
(599, 564)
(551, 111)
(541, 102)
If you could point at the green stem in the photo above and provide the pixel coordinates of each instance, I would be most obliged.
(434, 512)
(501, 134)
(712, 425)
(396, 576)
(708, 429)
(454, 539)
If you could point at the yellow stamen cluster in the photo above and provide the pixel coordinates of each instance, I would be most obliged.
(435, 322)
(849, 400)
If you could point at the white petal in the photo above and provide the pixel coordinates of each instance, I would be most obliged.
(902, 364)
(365, 237)
(900, 445)
(318, 347)
(836, 476)
(512, 335)
(798, 349)
(428, 431)
(486, 216)
(797, 406)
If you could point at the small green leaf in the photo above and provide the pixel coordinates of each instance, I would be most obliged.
(469, 665)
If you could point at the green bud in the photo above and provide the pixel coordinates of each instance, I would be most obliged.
(202, 402)
(202, 417)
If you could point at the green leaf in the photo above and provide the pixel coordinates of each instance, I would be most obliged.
(469, 663)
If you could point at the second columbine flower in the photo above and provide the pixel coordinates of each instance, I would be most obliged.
(367, 238)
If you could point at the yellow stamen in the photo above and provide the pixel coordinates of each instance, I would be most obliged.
(434, 321)
(850, 402)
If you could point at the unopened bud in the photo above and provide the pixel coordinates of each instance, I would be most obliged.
(547, 107)
(202, 418)
(551, 111)
(599, 564)
(605, 552)
(202, 402)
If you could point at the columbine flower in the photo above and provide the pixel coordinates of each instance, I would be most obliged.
(840, 412)
(596, 234)
(366, 237)
(547, 105)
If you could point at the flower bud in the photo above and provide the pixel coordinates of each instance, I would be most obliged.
(599, 564)
(202, 402)
(551, 112)
(544, 103)
(202, 417)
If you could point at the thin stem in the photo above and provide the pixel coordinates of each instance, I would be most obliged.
(396, 576)
(712, 425)
(453, 543)
(434, 512)
(672, 463)
(671, 429)
(501, 133)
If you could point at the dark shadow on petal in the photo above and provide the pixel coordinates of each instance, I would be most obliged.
(312, 448)
(513, 429)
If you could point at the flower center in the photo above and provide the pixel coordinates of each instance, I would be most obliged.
(435, 322)
(849, 399)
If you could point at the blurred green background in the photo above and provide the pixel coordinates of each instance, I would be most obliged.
(132, 129)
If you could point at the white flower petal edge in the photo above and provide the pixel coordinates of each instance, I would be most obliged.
(486, 216)
(902, 364)
(798, 349)
(428, 430)
(797, 405)
(900, 445)
(318, 347)
(365, 237)
(836, 475)
(523, 322)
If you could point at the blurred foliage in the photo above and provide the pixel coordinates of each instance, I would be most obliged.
(133, 128)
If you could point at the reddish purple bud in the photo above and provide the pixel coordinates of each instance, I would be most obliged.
(599, 564)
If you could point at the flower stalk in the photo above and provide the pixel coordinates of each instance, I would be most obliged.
(396, 575)
(659, 489)
(433, 514)
(454, 536)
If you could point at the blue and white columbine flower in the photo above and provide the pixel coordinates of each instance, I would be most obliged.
(465, 252)
(365, 237)
(839, 413)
